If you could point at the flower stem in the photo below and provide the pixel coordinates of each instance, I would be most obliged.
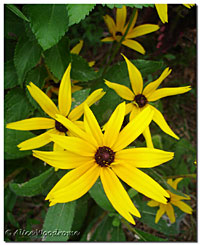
(180, 175)
(119, 43)
(130, 228)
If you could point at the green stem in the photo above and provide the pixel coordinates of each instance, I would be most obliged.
(130, 228)
(180, 176)
(119, 43)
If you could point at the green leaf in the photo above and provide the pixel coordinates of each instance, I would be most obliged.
(34, 186)
(37, 76)
(81, 70)
(12, 220)
(79, 97)
(139, 6)
(17, 106)
(106, 232)
(98, 194)
(14, 26)
(78, 12)
(157, 141)
(107, 104)
(27, 55)
(59, 218)
(80, 212)
(10, 75)
(11, 139)
(146, 237)
(58, 57)
(16, 11)
(49, 22)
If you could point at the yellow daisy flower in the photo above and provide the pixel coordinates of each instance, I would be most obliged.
(141, 97)
(48, 106)
(162, 10)
(173, 199)
(92, 154)
(118, 29)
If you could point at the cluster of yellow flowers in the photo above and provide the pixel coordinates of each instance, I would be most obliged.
(92, 152)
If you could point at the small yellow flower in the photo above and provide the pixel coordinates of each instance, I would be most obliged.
(162, 10)
(48, 106)
(92, 154)
(141, 97)
(175, 200)
(118, 30)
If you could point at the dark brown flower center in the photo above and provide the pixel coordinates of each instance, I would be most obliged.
(118, 33)
(141, 100)
(104, 156)
(168, 199)
(60, 127)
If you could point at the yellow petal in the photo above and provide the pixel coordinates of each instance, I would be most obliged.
(147, 136)
(135, 77)
(132, 24)
(57, 147)
(76, 49)
(61, 159)
(140, 181)
(117, 195)
(91, 125)
(121, 90)
(170, 213)
(37, 141)
(162, 12)
(64, 94)
(143, 157)
(164, 92)
(160, 213)
(43, 100)
(134, 45)
(161, 122)
(108, 39)
(129, 108)
(135, 111)
(32, 124)
(78, 187)
(133, 129)
(110, 24)
(113, 125)
(188, 5)
(121, 18)
(151, 87)
(153, 203)
(183, 206)
(74, 144)
(175, 183)
(142, 30)
(77, 112)
(71, 126)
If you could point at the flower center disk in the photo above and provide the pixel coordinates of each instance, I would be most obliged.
(104, 156)
(60, 127)
(168, 199)
(141, 100)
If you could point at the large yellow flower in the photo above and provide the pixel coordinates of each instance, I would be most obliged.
(118, 30)
(173, 199)
(92, 154)
(141, 97)
(162, 10)
(48, 106)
